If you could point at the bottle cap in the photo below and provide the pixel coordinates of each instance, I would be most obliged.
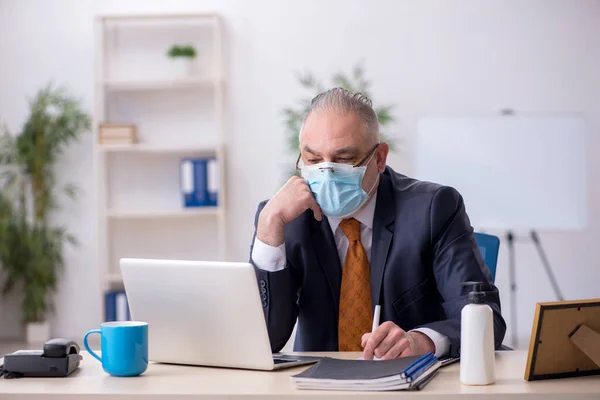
(476, 296)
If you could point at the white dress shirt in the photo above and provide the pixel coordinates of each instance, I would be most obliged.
(272, 259)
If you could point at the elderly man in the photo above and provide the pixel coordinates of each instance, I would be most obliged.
(352, 233)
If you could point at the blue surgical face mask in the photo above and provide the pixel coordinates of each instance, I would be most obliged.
(337, 187)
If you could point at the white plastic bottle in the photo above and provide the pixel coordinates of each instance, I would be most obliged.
(477, 356)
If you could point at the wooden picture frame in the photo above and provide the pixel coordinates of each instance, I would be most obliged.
(553, 352)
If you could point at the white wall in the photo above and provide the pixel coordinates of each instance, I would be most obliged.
(427, 57)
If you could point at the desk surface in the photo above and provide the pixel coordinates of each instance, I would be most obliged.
(174, 381)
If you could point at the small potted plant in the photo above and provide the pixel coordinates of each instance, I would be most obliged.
(182, 58)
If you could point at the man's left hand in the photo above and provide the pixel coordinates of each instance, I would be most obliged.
(390, 341)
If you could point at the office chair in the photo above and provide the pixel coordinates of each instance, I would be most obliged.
(489, 245)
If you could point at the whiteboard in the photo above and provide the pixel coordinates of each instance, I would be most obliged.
(514, 173)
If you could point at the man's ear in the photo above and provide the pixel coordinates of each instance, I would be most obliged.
(382, 153)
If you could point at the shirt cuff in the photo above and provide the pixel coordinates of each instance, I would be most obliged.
(268, 258)
(441, 342)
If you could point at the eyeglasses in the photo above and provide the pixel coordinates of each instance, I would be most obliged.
(359, 164)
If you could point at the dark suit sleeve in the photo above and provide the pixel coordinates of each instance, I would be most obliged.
(457, 259)
(279, 297)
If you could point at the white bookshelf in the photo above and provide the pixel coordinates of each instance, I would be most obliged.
(140, 207)
(189, 212)
(174, 148)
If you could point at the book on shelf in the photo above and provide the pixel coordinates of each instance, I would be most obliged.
(117, 134)
(199, 182)
(116, 307)
(405, 373)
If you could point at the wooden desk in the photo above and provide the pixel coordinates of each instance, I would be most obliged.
(175, 382)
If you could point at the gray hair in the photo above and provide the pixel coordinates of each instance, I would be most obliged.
(343, 101)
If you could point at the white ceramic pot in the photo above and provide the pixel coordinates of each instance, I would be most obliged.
(37, 332)
(181, 67)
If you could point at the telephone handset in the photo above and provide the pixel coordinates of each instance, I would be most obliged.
(57, 348)
(59, 357)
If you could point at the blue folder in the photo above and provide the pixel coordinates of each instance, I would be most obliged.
(193, 182)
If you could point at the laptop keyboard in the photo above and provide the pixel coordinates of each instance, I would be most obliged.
(282, 361)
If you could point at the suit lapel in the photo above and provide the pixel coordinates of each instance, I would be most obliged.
(326, 250)
(383, 228)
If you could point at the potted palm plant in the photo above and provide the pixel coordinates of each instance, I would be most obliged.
(356, 81)
(31, 248)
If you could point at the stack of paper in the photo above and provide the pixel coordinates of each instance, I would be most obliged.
(407, 373)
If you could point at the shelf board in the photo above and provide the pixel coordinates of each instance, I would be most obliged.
(159, 17)
(158, 84)
(150, 214)
(158, 148)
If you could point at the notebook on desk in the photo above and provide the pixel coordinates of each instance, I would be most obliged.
(399, 374)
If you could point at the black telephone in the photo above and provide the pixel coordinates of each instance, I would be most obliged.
(59, 358)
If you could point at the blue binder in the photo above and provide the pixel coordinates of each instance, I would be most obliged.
(110, 307)
(116, 306)
(193, 182)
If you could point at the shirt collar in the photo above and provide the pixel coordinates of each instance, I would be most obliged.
(365, 215)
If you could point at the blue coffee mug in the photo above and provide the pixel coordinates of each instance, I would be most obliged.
(124, 347)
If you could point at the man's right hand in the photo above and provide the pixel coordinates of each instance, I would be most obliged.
(288, 203)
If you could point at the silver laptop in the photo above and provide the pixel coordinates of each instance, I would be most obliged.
(202, 313)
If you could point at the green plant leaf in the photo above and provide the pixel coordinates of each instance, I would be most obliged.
(8, 286)
(384, 115)
(7, 155)
(343, 81)
(72, 240)
(358, 72)
(174, 51)
(71, 191)
(307, 80)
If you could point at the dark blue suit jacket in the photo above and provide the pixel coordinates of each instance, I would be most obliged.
(423, 249)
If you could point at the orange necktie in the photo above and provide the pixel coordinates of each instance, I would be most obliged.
(356, 312)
